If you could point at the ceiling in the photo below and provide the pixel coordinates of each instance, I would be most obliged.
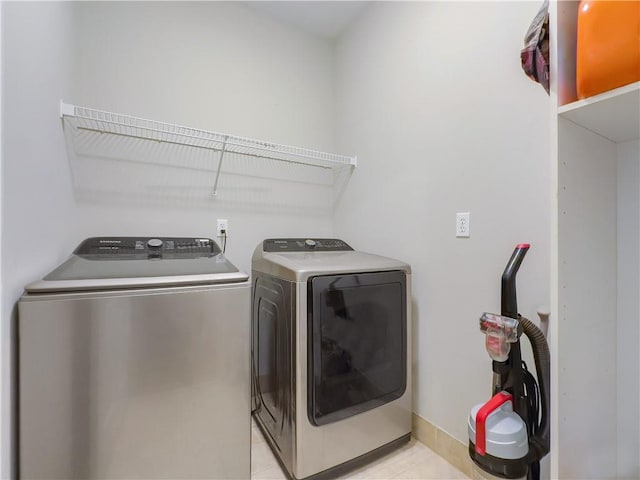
(326, 19)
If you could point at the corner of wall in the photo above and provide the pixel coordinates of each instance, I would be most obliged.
(4, 473)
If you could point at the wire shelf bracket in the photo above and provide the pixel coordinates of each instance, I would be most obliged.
(215, 185)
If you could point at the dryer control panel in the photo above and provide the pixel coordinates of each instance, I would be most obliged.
(146, 247)
(304, 245)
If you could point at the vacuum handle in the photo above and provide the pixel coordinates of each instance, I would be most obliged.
(509, 307)
(487, 409)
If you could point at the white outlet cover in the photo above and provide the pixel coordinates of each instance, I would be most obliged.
(222, 224)
(463, 226)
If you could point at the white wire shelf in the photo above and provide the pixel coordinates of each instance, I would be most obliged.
(193, 142)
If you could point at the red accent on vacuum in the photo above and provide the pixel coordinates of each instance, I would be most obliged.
(523, 245)
(496, 401)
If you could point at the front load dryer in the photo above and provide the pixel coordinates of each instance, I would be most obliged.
(134, 363)
(331, 350)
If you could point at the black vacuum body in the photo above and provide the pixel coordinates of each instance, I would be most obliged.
(513, 385)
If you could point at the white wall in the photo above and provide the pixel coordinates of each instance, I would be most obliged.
(4, 420)
(628, 334)
(38, 220)
(211, 65)
(432, 98)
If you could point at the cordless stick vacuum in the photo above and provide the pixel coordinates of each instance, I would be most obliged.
(509, 434)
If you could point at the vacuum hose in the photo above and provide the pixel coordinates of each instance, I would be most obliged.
(540, 442)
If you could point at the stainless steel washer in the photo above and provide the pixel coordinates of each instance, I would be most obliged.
(134, 361)
(331, 349)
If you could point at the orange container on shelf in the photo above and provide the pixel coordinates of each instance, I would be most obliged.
(608, 45)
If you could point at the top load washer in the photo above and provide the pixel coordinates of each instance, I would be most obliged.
(331, 350)
(134, 361)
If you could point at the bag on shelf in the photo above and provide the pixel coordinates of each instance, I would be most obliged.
(535, 54)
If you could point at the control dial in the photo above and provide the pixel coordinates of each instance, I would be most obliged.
(310, 243)
(154, 243)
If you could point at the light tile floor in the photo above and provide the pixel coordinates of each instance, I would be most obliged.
(413, 461)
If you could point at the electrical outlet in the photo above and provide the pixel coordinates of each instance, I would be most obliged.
(222, 224)
(462, 224)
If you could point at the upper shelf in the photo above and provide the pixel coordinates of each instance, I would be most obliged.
(99, 122)
(614, 114)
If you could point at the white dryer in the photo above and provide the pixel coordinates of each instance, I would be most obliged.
(331, 350)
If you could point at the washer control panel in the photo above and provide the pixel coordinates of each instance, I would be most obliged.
(146, 247)
(304, 245)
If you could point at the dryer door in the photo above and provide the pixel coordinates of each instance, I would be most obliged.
(357, 343)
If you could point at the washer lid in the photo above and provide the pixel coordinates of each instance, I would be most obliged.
(135, 262)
